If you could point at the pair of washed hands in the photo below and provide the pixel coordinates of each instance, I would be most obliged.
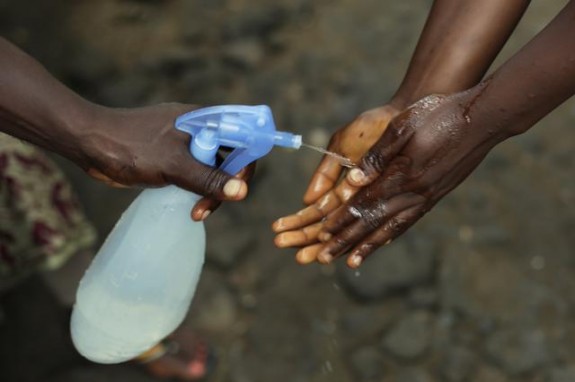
(406, 162)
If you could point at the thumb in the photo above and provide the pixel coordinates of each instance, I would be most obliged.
(206, 206)
(375, 161)
(209, 181)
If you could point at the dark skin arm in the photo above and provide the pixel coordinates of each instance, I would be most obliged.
(459, 42)
(435, 144)
(118, 146)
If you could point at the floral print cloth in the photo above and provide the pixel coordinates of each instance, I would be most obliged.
(41, 222)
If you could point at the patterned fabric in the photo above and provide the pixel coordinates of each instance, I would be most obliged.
(41, 222)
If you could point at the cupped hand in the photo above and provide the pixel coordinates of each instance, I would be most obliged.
(327, 189)
(425, 153)
(129, 147)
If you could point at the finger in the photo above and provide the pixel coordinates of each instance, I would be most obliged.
(308, 215)
(384, 235)
(355, 208)
(247, 173)
(345, 191)
(337, 220)
(304, 236)
(356, 231)
(308, 254)
(374, 214)
(208, 181)
(318, 211)
(375, 161)
(204, 208)
(338, 245)
(96, 174)
(324, 179)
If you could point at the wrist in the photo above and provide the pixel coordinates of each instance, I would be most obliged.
(71, 127)
(493, 113)
(57, 130)
(481, 116)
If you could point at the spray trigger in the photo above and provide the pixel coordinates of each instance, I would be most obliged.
(249, 130)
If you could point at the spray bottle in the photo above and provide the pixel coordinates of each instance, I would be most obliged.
(140, 285)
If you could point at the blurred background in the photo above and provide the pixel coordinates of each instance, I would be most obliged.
(481, 290)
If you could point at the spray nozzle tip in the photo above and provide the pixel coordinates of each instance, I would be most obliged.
(288, 140)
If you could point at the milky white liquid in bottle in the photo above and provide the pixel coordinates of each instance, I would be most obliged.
(139, 287)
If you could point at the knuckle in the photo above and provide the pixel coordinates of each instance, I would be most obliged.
(367, 248)
(427, 189)
(374, 223)
(355, 211)
(373, 161)
(372, 217)
(345, 192)
(425, 208)
(213, 182)
(341, 242)
(402, 164)
(377, 216)
(395, 225)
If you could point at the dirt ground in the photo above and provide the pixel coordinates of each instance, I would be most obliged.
(481, 290)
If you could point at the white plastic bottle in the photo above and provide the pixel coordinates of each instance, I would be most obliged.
(139, 287)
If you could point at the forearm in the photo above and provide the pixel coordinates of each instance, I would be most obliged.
(459, 42)
(532, 83)
(36, 107)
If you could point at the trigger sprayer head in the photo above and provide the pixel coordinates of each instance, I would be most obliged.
(250, 130)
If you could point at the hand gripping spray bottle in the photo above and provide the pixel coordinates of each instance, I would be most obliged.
(140, 285)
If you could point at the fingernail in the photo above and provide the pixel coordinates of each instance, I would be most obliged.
(278, 225)
(324, 236)
(356, 175)
(281, 240)
(206, 214)
(304, 256)
(387, 242)
(354, 261)
(232, 188)
(325, 257)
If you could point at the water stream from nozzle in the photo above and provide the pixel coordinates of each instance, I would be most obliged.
(344, 161)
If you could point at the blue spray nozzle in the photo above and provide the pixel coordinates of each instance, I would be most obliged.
(249, 130)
